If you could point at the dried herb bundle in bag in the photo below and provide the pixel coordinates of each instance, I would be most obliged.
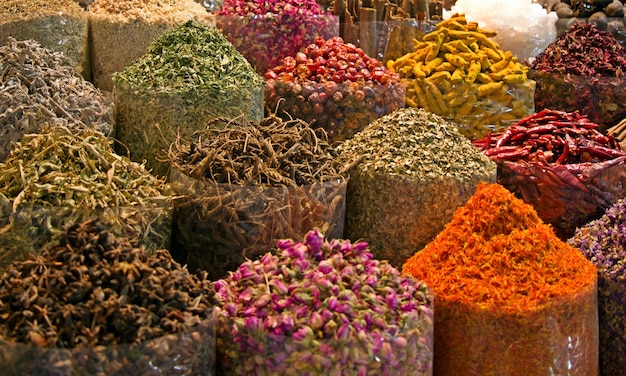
(38, 88)
(59, 25)
(93, 304)
(511, 298)
(188, 76)
(61, 177)
(246, 184)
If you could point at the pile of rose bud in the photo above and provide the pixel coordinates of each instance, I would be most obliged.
(321, 307)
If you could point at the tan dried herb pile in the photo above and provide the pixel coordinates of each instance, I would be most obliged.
(62, 176)
(409, 171)
(90, 292)
(246, 184)
(38, 88)
(61, 25)
(149, 11)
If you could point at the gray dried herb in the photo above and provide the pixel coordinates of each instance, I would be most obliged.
(38, 88)
(409, 171)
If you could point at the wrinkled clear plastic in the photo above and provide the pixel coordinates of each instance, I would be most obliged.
(266, 39)
(602, 99)
(31, 229)
(189, 353)
(473, 108)
(218, 226)
(566, 196)
(561, 338)
(341, 109)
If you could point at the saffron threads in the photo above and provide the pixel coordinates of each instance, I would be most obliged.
(511, 298)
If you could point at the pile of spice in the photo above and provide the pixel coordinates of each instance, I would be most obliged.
(457, 71)
(92, 304)
(560, 163)
(243, 185)
(334, 85)
(409, 171)
(267, 31)
(38, 88)
(582, 70)
(60, 25)
(602, 242)
(323, 307)
(60, 177)
(511, 297)
(189, 75)
(122, 30)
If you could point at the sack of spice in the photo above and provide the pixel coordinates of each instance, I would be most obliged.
(91, 304)
(122, 30)
(602, 242)
(60, 177)
(242, 185)
(511, 298)
(189, 75)
(40, 89)
(60, 25)
(264, 32)
(458, 72)
(560, 163)
(409, 171)
(322, 307)
(582, 70)
(333, 85)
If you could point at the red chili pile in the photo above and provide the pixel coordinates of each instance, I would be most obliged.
(551, 137)
(334, 84)
(560, 163)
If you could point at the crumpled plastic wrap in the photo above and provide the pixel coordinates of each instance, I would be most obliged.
(218, 226)
(566, 196)
(190, 353)
(471, 107)
(602, 99)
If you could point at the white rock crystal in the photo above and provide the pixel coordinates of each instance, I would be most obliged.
(524, 27)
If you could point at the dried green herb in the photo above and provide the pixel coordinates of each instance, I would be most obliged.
(243, 185)
(38, 88)
(61, 176)
(409, 171)
(189, 75)
(92, 304)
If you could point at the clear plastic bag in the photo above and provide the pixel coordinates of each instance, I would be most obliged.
(218, 226)
(189, 353)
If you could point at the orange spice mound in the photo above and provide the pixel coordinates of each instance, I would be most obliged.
(497, 254)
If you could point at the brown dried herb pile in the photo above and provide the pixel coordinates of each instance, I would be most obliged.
(37, 87)
(246, 184)
(410, 170)
(92, 289)
(60, 177)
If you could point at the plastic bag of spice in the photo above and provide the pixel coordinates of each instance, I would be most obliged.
(560, 163)
(511, 298)
(188, 76)
(60, 25)
(122, 30)
(602, 242)
(218, 226)
(409, 171)
(582, 71)
(323, 307)
(333, 85)
(266, 32)
(92, 304)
